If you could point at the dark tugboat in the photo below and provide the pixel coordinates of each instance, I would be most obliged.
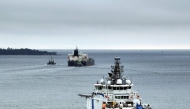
(51, 62)
(79, 59)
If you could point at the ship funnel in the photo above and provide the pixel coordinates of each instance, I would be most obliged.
(76, 53)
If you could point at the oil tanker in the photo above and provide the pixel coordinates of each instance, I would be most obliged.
(79, 59)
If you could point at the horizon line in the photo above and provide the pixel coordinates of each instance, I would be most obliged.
(101, 48)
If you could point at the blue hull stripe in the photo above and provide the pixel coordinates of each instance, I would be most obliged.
(92, 103)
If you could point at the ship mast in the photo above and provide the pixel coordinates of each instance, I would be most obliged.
(116, 71)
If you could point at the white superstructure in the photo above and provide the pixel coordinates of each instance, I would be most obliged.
(80, 57)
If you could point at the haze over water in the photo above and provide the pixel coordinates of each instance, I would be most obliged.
(27, 82)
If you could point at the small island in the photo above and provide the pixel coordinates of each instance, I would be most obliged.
(24, 51)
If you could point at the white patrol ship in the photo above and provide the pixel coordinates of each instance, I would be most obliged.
(114, 92)
(79, 59)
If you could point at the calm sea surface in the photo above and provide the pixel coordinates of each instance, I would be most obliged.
(26, 82)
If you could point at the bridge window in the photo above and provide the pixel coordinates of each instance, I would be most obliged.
(109, 87)
(121, 97)
(99, 87)
(126, 97)
(114, 88)
(121, 88)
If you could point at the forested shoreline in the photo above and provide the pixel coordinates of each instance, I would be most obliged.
(24, 51)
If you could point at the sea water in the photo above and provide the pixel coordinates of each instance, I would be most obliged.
(162, 77)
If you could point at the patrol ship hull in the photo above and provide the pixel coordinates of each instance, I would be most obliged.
(114, 92)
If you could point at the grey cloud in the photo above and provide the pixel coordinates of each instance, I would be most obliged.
(114, 18)
(107, 13)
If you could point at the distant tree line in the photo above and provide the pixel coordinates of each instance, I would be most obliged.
(24, 51)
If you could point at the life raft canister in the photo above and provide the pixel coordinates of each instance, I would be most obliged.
(138, 96)
(131, 96)
(106, 96)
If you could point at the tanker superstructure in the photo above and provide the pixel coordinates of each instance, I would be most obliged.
(79, 59)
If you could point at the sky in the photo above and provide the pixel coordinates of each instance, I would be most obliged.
(95, 24)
